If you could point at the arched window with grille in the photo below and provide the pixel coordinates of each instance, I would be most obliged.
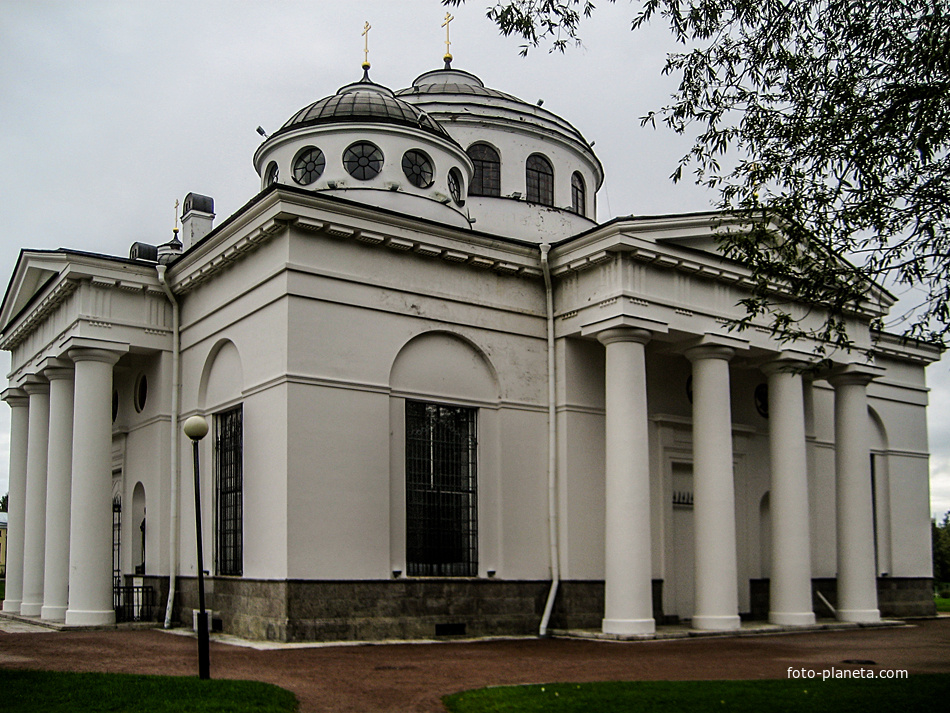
(540, 180)
(578, 194)
(487, 180)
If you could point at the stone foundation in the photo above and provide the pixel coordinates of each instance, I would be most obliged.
(299, 610)
(392, 609)
(896, 597)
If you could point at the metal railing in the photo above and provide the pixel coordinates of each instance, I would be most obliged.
(133, 603)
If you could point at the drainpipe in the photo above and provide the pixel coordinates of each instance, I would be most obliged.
(552, 444)
(175, 467)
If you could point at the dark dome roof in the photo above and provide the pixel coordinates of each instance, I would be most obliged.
(455, 88)
(363, 101)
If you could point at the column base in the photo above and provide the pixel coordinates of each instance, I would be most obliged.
(90, 618)
(53, 613)
(860, 616)
(629, 627)
(785, 618)
(30, 608)
(715, 623)
(11, 606)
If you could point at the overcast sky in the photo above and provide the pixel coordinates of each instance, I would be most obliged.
(110, 110)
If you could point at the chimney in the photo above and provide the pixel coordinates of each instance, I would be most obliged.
(196, 219)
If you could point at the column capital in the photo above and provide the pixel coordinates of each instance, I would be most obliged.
(106, 356)
(860, 374)
(784, 365)
(15, 397)
(54, 368)
(624, 334)
(36, 384)
(709, 351)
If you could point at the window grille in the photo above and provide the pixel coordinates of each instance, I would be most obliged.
(578, 194)
(229, 490)
(487, 178)
(540, 180)
(116, 542)
(441, 497)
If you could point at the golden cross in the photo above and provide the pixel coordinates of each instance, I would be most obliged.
(448, 19)
(176, 217)
(366, 28)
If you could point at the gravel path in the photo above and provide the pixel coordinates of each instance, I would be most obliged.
(413, 677)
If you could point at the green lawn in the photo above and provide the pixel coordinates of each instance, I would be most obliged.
(50, 692)
(920, 693)
(943, 603)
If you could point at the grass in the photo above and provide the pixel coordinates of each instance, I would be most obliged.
(52, 692)
(943, 603)
(783, 696)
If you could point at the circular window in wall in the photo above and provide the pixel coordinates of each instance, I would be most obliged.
(418, 168)
(455, 186)
(308, 165)
(141, 392)
(363, 160)
(272, 173)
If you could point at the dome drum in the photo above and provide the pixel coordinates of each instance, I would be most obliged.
(383, 162)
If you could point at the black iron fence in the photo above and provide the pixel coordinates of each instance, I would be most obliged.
(133, 603)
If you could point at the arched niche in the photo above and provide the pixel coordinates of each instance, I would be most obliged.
(222, 379)
(438, 365)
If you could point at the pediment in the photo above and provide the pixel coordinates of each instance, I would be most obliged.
(34, 274)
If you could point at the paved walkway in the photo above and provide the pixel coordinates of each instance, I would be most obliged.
(413, 677)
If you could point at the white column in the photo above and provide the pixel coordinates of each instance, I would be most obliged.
(857, 583)
(58, 488)
(19, 404)
(90, 527)
(790, 585)
(34, 540)
(714, 508)
(628, 599)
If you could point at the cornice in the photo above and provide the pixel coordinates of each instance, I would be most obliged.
(623, 238)
(345, 221)
(57, 295)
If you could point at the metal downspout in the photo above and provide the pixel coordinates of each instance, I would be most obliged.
(553, 529)
(175, 465)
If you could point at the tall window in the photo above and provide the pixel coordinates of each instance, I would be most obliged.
(540, 180)
(487, 180)
(578, 194)
(441, 498)
(229, 490)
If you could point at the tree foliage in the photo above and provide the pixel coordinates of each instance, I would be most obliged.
(940, 538)
(824, 125)
(4, 501)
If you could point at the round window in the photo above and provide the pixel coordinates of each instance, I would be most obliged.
(455, 186)
(141, 392)
(363, 160)
(271, 175)
(308, 165)
(418, 168)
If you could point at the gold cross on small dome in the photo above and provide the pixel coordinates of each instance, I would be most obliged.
(366, 28)
(448, 18)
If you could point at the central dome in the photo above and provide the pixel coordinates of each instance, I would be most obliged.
(363, 101)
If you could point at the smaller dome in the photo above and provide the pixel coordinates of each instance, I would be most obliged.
(363, 101)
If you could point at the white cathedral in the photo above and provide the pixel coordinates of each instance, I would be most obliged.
(445, 400)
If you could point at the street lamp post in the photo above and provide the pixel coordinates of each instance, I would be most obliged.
(196, 428)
